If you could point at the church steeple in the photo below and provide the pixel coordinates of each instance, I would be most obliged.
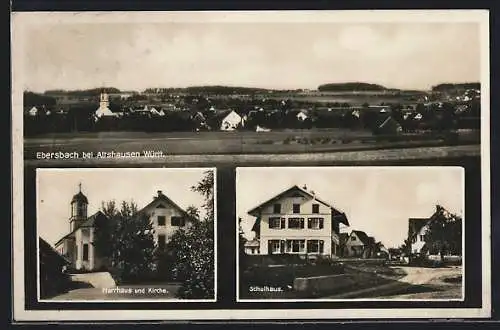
(104, 100)
(103, 105)
(79, 204)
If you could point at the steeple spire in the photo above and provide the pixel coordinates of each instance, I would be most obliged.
(80, 187)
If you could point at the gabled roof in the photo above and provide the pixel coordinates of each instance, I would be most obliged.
(45, 247)
(86, 224)
(91, 220)
(365, 239)
(253, 242)
(343, 237)
(162, 197)
(336, 212)
(389, 120)
(415, 225)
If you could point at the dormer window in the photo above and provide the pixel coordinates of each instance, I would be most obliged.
(277, 208)
(315, 208)
(296, 208)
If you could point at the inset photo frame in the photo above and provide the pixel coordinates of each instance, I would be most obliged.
(351, 234)
(121, 235)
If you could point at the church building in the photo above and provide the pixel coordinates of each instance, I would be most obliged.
(77, 246)
(103, 110)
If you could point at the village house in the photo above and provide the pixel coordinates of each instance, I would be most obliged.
(388, 125)
(33, 111)
(252, 247)
(418, 228)
(296, 221)
(199, 120)
(359, 245)
(228, 120)
(165, 216)
(302, 115)
(53, 280)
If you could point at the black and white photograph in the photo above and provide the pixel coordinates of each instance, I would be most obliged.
(200, 85)
(351, 233)
(374, 127)
(126, 234)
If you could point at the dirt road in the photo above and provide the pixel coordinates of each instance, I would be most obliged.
(418, 283)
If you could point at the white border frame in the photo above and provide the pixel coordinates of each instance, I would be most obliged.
(124, 169)
(18, 24)
(331, 169)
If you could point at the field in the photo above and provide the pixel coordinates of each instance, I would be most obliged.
(353, 98)
(295, 142)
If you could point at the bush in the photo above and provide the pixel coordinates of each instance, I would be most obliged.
(194, 263)
(276, 259)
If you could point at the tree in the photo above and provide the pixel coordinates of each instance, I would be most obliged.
(241, 245)
(193, 213)
(444, 233)
(125, 241)
(406, 247)
(206, 188)
(193, 262)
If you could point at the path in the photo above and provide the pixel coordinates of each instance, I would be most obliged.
(416, 276)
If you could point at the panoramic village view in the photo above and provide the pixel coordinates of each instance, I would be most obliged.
(113, 249)
(205, 89)
(299, 244)
(228, 120)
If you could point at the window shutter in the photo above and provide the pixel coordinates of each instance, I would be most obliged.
(309, 223)
(302, 223)
(321, 223)
(269, 223)
(283, 223)
(269, 247)
(321, 243)
(282, 246)
(308, 246)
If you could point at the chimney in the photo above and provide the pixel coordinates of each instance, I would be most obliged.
(304, 187)
(159, 193)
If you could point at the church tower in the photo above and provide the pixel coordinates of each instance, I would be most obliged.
(104, 101)
(79, 204)
(104, 106)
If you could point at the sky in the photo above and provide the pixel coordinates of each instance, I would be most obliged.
(377, 200)
(283, 55)
(56, 187)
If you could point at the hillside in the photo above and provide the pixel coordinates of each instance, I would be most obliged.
(451, 86)
(350, 87)
(83, 92)
(34, 99)
(213, 89)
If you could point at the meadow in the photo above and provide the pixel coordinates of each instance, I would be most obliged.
(239, 142)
